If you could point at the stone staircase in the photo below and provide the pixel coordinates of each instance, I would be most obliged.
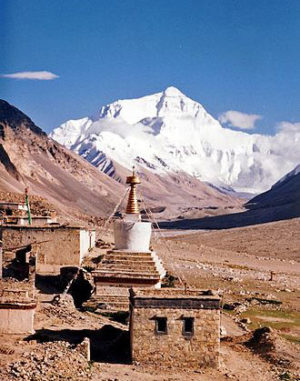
(110, 299)
(118, 271)
(117, 265)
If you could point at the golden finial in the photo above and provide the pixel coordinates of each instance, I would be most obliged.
(132, 205)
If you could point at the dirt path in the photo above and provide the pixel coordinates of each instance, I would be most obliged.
(237, 363)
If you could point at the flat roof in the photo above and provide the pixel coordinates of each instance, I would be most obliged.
(15, 295)
(44, 227)
(175, 299)
(11, 203)
(17, 303)
(26, 217)
(174, 293)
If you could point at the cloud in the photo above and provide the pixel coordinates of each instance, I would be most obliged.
(285, 143)
(239, 119)
(288, 127)
(39, 75)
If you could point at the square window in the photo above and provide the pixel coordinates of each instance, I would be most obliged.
(188, 326)
(161, 325)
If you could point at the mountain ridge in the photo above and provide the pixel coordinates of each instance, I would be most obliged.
(285, 192)
(28, 157)
(168, 133)
(280, 202)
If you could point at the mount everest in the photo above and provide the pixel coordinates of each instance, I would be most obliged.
(167, 133)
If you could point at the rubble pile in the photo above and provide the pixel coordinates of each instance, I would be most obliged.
(267, 343)
(63, 310)
(50, 361)
(67, 316)
(64, 314)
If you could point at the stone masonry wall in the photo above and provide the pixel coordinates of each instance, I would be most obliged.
(55, 247)
(16, 321)
(87, 241)
(173, 348)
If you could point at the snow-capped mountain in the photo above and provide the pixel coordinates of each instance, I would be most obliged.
(168, 132)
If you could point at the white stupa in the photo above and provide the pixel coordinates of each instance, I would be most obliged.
(131, 233)
(131, 263)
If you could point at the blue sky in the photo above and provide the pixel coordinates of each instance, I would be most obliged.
(228, 55)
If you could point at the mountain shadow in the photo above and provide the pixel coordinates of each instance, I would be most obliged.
(236, 220)
(281, 202)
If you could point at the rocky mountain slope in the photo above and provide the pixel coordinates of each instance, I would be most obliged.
(281, 202)
(168, 133)
(28, 157)
(285, 193)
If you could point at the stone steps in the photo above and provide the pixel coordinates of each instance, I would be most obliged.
(137, 266)
(109, 300)
(126, 269)
(108, 273)
(130, 253)
(114, 291)
(127, 261)
(120, 270)
(130, 265)
(108, 305)
(132, 261)
(127, 257)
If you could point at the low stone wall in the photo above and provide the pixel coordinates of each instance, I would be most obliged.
(16, 321)
(17, 308)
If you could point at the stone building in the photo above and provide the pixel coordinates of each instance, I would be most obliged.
(16, 214)
(9, 208)
(176, 328)
(53, 247)
(131, 263)
(35, 220)
(17, 309)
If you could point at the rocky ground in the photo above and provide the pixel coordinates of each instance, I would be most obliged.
(238, 263)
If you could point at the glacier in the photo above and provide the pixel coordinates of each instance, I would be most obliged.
(168, 132)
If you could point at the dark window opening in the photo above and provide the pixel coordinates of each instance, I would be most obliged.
(9, 212)
(161, 325)
(21, 254)
(19, 266)
(188, 326)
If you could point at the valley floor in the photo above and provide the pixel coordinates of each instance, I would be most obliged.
(237, 262)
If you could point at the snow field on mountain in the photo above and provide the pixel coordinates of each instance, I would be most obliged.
(168, 132)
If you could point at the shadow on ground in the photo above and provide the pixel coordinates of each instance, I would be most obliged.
(108, 344)
(235, 220)
(48, 284)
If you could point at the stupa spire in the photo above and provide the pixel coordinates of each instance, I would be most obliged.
(132, 205)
